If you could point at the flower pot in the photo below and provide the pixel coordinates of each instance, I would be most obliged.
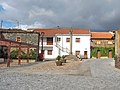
(58, 63)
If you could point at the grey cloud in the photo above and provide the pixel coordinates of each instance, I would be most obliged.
(91, 14)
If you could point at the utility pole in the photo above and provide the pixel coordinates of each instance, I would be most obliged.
(71, 34)
(42, 34)
(57, 39)
(18, 24)
(1, 23)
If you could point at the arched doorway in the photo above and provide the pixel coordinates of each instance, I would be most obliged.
(98, 54)
(110, 54)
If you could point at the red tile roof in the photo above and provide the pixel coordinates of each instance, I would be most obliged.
(99, 35)
(53, 31)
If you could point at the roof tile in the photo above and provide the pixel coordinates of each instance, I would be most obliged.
(53, 31)
(101, 35)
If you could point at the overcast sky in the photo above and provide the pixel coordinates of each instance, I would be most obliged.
(90, 14)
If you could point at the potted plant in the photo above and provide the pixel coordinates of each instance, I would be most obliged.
(58, 61)
(63, 59)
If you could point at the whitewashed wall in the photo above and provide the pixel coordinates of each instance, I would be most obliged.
(83, 45)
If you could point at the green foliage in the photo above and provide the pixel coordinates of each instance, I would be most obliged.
(103, 51)
(32, 54)
(23, 55)
(58, 57)
(14, 54)
(63, 56)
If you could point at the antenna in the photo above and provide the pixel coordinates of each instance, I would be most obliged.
(1, 23)
(18, 24)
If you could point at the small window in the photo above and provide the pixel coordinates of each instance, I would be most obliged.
(77, 40)
(18, 39)
(77, 53)
(110, 42)
(98, 42)
(58, 39)
(49, 52)
(67, 39)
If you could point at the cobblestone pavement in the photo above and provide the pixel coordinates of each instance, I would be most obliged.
(73, 75)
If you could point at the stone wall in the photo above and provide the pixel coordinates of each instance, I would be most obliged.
(117, 62)
(30, 38)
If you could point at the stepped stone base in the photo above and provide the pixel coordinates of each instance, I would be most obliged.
(71, 57)
(117, 62)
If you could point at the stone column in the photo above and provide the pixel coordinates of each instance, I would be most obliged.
(71, 34)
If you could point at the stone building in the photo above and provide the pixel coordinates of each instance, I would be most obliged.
(102, 44)
(18, 39)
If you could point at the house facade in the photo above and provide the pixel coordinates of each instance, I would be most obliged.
(102, 44)
(60, 42)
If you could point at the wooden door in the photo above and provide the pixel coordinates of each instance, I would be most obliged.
(85, 55)
(110, 54)
(98, 54)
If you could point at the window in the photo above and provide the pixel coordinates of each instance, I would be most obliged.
(110, 42)
(67, 39)
(98, 42)
(77, 53)
(77, 40)
(49, 41)
(18, 39)
(49, 52)
(58, 39)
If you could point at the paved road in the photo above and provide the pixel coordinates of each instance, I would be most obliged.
(92, 75)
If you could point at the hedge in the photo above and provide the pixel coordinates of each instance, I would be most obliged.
(14, 54)
(103, 51)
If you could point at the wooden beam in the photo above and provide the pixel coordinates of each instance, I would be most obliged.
(8, 61)
(27, 54)
(19, 54)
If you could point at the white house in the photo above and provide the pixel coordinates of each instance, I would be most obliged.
(57, 42)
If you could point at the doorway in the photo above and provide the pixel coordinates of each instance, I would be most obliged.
(3, 53)
(98, 54)
(110, 54)
(85, 54)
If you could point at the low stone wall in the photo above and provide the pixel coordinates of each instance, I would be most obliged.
(24, 60)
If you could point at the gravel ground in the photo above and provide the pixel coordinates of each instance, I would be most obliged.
(90, 75)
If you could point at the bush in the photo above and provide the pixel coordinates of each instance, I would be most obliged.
(58, 57)
(103, 51)
(23, 55)
(63, 56)
(32, 54)
(14, 54)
